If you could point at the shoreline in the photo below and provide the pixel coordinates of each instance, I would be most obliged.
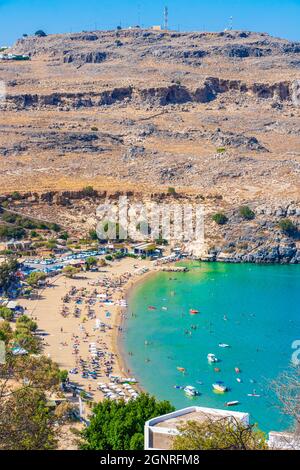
(118, 338)
(60, 332)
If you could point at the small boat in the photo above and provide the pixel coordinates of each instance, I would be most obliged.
(239, 380)
(217, 369)
(253, 395)
(224, 345)
(191, 391)
(237, 370)
(212, 358)
(232, 403)
(151, 307)
(164, 308)
(181, 369)
(193, 311)
(219, 387)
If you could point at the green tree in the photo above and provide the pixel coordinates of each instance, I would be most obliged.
(220, 218)
(5, 331)
(91, 261)
(8, 273)
(93, 235)
(220, 434)
(63, 375)
(26, 322)
(40, 33)
(70, 271)
(34, 278)
(6, 233)
(246, 213)
(6, 313)
(120, 425)
(26, 422)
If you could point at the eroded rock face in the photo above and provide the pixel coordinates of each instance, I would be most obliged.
(160, 96)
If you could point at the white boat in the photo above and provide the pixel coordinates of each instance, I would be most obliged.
(224, 345)
(212, 358)
(191, 391)
(220, 387)
(232, 403)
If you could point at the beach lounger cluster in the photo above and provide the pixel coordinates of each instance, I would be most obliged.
(115, 391)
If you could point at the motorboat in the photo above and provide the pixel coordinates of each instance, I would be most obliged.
(181, 369)
(194, 311)
(190, 391)
(220, 387)
(212, 358)
(224, 345)
(232, 403)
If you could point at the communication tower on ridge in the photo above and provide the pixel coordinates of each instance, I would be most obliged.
(166, 18)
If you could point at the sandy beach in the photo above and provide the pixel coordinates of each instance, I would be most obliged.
(77, 323)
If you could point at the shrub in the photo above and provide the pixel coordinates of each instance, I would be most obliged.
(246, 213)
(88, 191)
(171, 190)
(220, 218)
(64, 236)
(93, 235)
(16, 196)
(287, 226)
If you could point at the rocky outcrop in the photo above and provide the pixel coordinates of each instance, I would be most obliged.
(72, 100)
(159, 96)
(94, 57)
(230, 139)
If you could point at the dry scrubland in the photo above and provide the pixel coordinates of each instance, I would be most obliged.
(210, 114)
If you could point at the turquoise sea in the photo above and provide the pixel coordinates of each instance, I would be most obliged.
(253, 308)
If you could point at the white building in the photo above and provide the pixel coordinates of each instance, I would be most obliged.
(160, 431)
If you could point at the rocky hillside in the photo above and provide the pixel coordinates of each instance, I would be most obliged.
(260, 239)
(206, 113)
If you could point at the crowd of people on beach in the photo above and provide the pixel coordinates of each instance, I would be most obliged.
(91, 304)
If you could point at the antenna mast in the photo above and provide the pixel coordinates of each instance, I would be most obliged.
(166, 17)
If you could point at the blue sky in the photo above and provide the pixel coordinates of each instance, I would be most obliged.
(279, 18)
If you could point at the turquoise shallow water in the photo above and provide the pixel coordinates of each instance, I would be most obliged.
(253, 308)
